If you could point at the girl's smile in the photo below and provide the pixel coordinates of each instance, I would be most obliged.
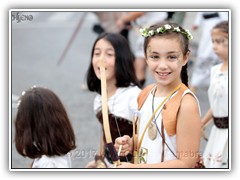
(163, 75)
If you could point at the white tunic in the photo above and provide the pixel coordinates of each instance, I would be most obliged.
(218, 92)
(122, 104)
(154, 147)
(216, 151)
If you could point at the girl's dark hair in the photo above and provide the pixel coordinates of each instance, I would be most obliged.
(124, 59)
(172, 34)
(223, 26)
(42, 125)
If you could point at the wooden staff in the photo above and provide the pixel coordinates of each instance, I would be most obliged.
(106, 127)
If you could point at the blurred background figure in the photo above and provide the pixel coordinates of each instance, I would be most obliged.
(107, 23)
(216, 151)
(177, 17)
(206, 57)
(137, 20)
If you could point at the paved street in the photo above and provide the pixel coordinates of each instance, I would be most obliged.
(37, 45)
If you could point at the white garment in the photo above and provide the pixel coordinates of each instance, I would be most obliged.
(216, 151)
(122, 104)
(218, 91)
(53, 162)
(206, 58)
(154, 147)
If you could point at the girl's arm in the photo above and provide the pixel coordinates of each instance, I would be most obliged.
(188, 131)
(206, 118)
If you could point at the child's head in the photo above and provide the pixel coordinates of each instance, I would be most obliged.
(42, 125)
(220, 39)
(118, 62)
(166, 50)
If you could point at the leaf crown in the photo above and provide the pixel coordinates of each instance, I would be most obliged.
(146, 32)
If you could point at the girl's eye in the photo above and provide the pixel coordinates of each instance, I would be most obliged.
(96, 53)
(154, 57)
(219, 41)
(109, 54)
(172, 57)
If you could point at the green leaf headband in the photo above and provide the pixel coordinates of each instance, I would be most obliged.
(145, 32)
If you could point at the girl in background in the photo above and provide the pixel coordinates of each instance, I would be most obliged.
(216, 151)
(122, 89)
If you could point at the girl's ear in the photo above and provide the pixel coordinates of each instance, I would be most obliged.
(186, 58)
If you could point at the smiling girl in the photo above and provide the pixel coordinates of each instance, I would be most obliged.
(169, 131)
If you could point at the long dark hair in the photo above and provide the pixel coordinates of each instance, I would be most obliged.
(170, 33)
(124, 69)
(42, 125)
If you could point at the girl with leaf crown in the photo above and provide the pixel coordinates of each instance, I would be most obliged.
(169, 128)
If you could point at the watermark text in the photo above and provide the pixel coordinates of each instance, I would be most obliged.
(22, 17)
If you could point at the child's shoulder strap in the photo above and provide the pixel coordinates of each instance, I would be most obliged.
(143, 95)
